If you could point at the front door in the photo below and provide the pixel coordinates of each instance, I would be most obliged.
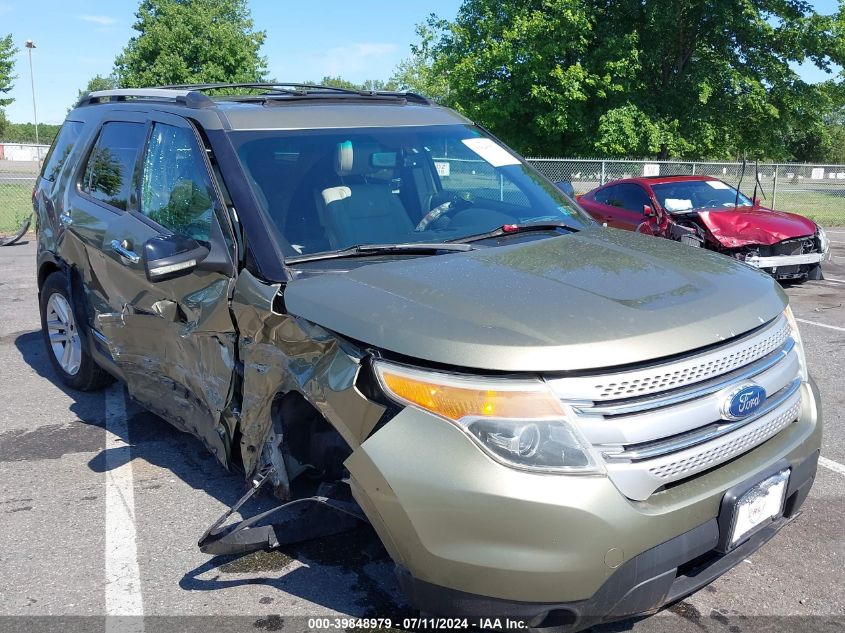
(173, 340)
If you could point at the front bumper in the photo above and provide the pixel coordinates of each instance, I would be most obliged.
(457, 523)
(776, 261)
(643, 584)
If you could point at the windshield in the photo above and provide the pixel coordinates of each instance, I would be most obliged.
(326, 190)
(687, 195)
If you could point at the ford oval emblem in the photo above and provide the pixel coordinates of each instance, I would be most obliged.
(743, 401)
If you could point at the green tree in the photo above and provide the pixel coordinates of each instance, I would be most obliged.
(25, 132)
(192, 41)
(686, 78)
(416, 73)
(7, 66)
(340, 82)
(97, 82)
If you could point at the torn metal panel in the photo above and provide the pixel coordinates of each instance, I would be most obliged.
(177, 356)
(757, 225)
(281, 354)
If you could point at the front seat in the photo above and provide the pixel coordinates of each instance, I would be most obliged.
(361, 208)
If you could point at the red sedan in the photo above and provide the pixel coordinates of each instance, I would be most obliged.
(704, 211)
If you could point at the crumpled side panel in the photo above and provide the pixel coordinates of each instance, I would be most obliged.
(179, 373)
(282, 353)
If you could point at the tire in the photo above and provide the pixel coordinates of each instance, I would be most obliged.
(65, 338)
(7, 238)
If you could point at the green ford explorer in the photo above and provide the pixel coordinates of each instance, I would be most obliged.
(541, 418)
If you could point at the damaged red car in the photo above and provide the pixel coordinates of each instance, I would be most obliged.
(706, 212)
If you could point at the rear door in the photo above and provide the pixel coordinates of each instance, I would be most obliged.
(174, 340)
(97, 197)
(598, 206)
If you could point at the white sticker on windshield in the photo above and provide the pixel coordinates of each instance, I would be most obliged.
(717, 184)
(490, 151)
(443, 168)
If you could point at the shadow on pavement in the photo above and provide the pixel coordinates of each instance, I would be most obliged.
(350, 573)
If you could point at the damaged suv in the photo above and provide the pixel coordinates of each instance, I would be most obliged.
(541, 418)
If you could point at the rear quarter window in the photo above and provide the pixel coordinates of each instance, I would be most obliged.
(61, 149)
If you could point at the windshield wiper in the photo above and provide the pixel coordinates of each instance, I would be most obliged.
(516, 229)
(364, 250)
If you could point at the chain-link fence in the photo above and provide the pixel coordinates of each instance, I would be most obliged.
(17, 178)
(815, 191)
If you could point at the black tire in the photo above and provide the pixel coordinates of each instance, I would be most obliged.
(88, 376)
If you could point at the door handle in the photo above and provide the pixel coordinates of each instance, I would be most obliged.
(122, 249)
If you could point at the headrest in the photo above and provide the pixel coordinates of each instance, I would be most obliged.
(366, 158)
(344, 158)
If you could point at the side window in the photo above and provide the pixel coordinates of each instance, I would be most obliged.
(604, 196)
(632, 197)
(61, 149)
(176, 191)
(108, 173)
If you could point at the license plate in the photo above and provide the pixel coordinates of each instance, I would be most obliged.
(759, 505)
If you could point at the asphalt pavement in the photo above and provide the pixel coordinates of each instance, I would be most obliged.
(101, 506)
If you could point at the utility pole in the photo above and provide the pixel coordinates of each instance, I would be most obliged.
(30, 45)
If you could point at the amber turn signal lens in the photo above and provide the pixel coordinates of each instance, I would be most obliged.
(455, 399)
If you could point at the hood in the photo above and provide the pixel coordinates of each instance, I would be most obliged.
(755, 225)
(591, 299)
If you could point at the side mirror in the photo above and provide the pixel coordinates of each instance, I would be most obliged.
(756, 202)
(169, 256)
(648, 211)
(566, 187)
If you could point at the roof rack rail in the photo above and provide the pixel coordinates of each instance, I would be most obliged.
(190, 98)
(193, 95)
(301, 90)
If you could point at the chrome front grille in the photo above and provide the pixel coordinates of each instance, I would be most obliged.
(666, 423)
(737, 444)
(640, 382)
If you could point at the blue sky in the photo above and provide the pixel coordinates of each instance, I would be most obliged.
(357, 39)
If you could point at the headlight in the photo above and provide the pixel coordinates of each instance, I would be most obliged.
(824, 243)
(799, 345)
(519, 423)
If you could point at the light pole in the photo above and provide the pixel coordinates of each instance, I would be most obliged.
(30, 45)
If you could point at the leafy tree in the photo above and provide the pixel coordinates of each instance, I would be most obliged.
(7, 66)
(97, 82)
(25, 132)
(192, 41)
(685, 78)
(416, 73)
(340, 82)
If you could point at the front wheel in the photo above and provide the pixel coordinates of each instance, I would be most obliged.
(64, 338)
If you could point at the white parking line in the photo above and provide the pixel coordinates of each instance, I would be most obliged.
(832, 465)
(831, 327)
(839, 281)
(123, 579)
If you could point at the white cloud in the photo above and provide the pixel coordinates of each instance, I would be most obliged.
(102, 20)
(352, 58)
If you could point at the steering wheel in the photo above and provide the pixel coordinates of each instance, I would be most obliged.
(460, 200)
